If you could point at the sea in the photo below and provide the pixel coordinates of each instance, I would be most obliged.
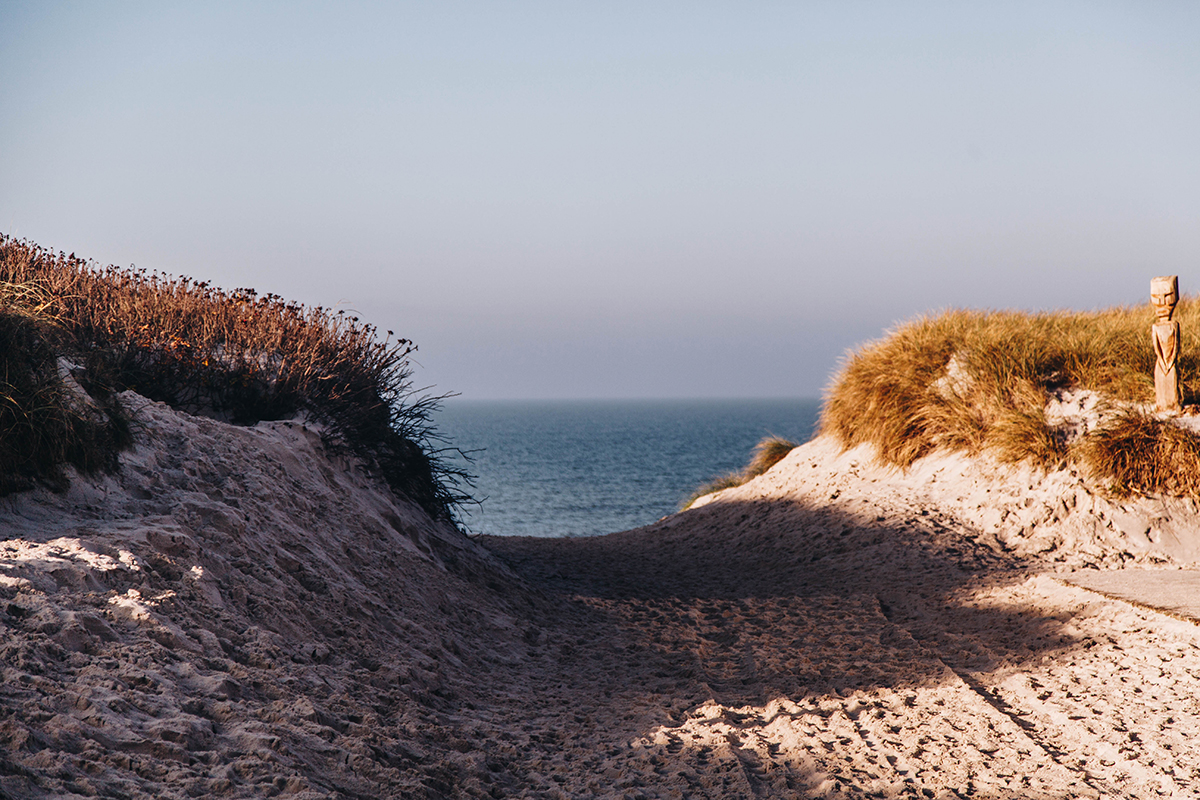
(586, 468)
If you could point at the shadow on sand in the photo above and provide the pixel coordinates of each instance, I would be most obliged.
(766, 610)
(781, 589)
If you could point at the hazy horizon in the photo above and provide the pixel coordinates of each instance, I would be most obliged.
(655, 200)
(732, 399)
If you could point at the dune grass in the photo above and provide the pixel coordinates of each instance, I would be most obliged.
(43, 424)
(766, 454)
(979, 381)
(238, 356)
(1141, 454)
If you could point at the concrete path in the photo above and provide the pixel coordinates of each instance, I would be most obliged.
(1175, 591)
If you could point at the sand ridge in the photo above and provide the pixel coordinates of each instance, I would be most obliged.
(239, 613)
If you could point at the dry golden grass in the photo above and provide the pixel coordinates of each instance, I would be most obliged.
(980, 380)
(1140, 453)
(239, 356)
(766, 454)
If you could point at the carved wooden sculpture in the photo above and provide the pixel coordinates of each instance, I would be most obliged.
(1164, 294)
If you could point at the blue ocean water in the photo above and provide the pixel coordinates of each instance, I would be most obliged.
(584, 468)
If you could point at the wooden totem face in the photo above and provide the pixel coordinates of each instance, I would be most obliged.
(1164, 294)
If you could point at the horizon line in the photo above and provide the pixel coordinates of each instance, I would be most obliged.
(633, 399)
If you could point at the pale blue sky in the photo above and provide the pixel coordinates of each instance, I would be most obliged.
(616, 199)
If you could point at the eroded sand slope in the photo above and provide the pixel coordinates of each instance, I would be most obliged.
(237, 614)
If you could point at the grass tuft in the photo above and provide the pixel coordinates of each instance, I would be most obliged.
(237, 356)
(1140, 453)
(44, 423)
(766, 454)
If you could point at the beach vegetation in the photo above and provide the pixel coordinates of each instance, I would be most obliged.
(980, 381)
(233, 355)
(1140, 453)
(45, 422)
(766, 454)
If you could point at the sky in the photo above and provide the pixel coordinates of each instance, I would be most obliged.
(616, 199)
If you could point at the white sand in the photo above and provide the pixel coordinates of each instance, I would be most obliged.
(238, 615)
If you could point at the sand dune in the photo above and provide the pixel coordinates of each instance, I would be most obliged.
(239, 614)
